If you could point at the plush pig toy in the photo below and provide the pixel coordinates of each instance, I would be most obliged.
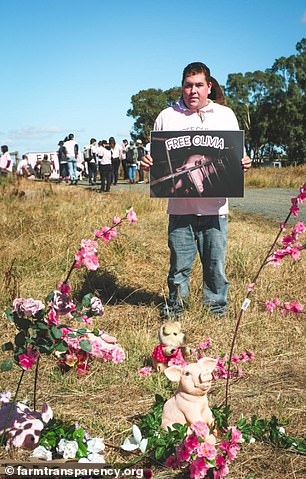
(23, 429)
(190, 404)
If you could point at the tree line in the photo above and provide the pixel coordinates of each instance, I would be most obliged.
(270, 106)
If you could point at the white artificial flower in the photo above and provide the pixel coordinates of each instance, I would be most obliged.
(40, 452)
(252, 440)
(94, 458)
(5, 397)
(95, 444)
(68, 449)
(282, 430)
(136, 441)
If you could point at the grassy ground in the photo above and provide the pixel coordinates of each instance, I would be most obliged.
(42, 226)
(291, 177)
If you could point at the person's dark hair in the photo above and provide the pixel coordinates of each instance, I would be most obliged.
(4, 148)
(216, 93)
(70, 136)
(45, 157)
(93, 140)
(60, 143)
(111, 140)
(195, 68)
(24, 157)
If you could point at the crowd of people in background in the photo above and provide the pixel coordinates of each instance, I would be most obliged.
(101, 162)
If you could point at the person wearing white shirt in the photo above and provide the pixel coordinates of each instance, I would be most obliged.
(197, 224)
(6, 163)
(104, 158)
(72, 150)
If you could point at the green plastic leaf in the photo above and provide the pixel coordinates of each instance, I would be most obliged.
(9, 314)
(7, 346)
(86, 299)
(6, 365)
(56, 332)
(85, 345)
(20, 339)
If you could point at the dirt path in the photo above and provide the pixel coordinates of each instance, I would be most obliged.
(272, 203)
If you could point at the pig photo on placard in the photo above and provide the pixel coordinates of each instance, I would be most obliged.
(191, 164)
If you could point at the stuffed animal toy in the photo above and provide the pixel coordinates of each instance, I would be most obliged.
(190, 404)
(23, 428)
(171, 348)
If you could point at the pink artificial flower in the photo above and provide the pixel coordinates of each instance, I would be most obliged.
(235, 359)
(96, 306)
(250, 354)
(230, 449)
(117, 220)
(183, 453)
(27, 306)
(295, 210)
(244, 357)
(240, 372)
(86, 255)
(276, 301)
(250, 286)
(296, 308)
(198, 468)
(64, 288)
(172, 461)
(222, 466)
(270, 306)
(118, 355)
(179, 361)
(86, 319)
(206, 450)
(52, 318)
(27, 361)
(298, 229)
(146, 371)
(106, 233)
(61, 304)
(293, 307)
(236, 434)
(282, 226)
(200, 429)
(191, 441)
(206, 344)
(287, 240)
(131, 216)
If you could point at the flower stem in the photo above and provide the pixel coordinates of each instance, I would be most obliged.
(35, 383)
(264, 262)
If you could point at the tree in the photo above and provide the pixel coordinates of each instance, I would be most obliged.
(146, 105)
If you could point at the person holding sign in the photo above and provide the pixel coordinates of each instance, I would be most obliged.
(197, 224)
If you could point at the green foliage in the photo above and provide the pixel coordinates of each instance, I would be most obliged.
(56, 430)
(161, 443)
(270, 431)
(146, 105)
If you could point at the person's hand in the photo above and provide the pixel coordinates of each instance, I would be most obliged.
(146, 162)
(246, 163)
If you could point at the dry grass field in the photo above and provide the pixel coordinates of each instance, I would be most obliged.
(290, 177)
(41, 229)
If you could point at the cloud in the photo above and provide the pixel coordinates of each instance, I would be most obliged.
(34, 133)
(303, 19)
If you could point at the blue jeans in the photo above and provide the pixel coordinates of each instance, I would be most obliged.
(188, 234)
(72, 168)
(132, 172)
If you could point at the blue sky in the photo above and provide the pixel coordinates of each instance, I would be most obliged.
(73, 65)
